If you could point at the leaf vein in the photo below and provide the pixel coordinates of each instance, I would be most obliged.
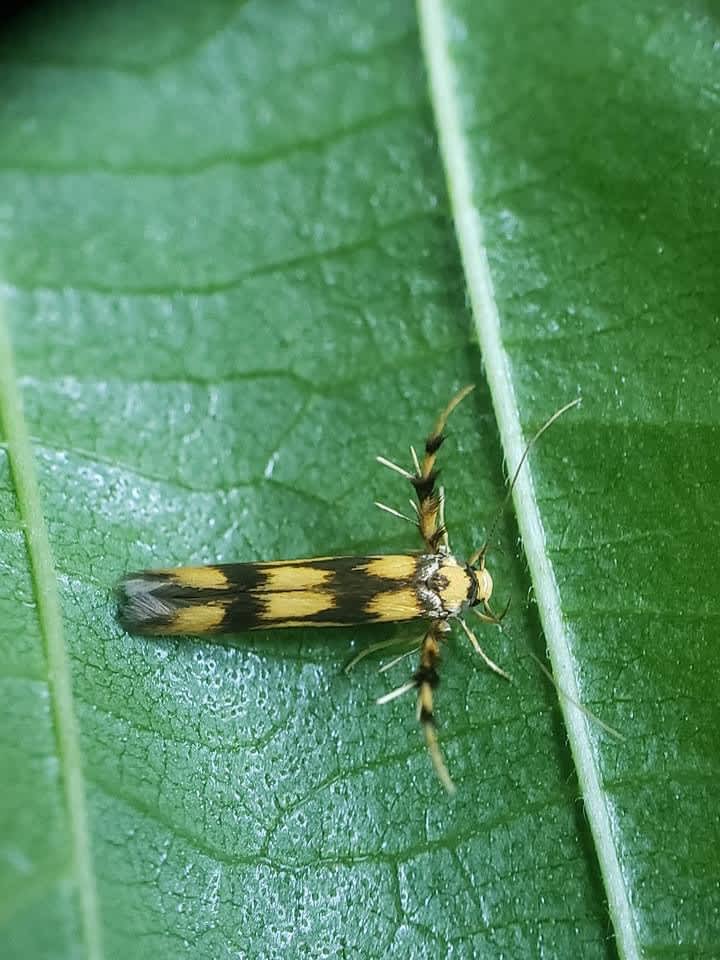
(50, 620)
(436, 44)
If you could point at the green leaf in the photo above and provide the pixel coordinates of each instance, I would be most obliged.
(579, 144)
(230, 280)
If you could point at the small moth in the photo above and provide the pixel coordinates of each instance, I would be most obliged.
(431, 585)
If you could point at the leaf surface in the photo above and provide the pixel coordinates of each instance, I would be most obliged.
(230, 280)
(579, 144)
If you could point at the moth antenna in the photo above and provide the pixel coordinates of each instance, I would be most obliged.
(583, 709)
(479, 555)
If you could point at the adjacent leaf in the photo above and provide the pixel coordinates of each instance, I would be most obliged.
(579, 143)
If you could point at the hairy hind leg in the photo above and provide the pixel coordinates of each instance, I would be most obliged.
(424, 477)
(424, 681)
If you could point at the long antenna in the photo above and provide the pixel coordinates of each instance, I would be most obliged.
(480, 554)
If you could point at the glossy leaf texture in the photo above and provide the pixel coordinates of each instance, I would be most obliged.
(230, 279)
(587, 140)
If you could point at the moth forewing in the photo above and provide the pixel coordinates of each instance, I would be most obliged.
(325, 591)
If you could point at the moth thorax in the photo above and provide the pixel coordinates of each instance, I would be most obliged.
(484, 584)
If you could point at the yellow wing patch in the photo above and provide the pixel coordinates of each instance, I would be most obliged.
(206, 618)
(292, 576)
(294, 605)
(395, 567)
(395, 605)
(199, 578)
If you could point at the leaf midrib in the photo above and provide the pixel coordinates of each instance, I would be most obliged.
(453, 148)
(49, 615)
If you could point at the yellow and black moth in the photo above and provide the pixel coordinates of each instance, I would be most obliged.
(431, 585)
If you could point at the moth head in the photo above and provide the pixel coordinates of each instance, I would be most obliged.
(481, 583)
(481, 588)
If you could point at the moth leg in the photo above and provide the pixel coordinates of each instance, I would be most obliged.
(479, 650)
(396, 660)
(423, 479)
(430, 502)
(395, 513)
(441, 521)
(426, 679)
(374, 648)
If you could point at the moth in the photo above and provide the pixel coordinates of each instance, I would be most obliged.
(431, 585)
